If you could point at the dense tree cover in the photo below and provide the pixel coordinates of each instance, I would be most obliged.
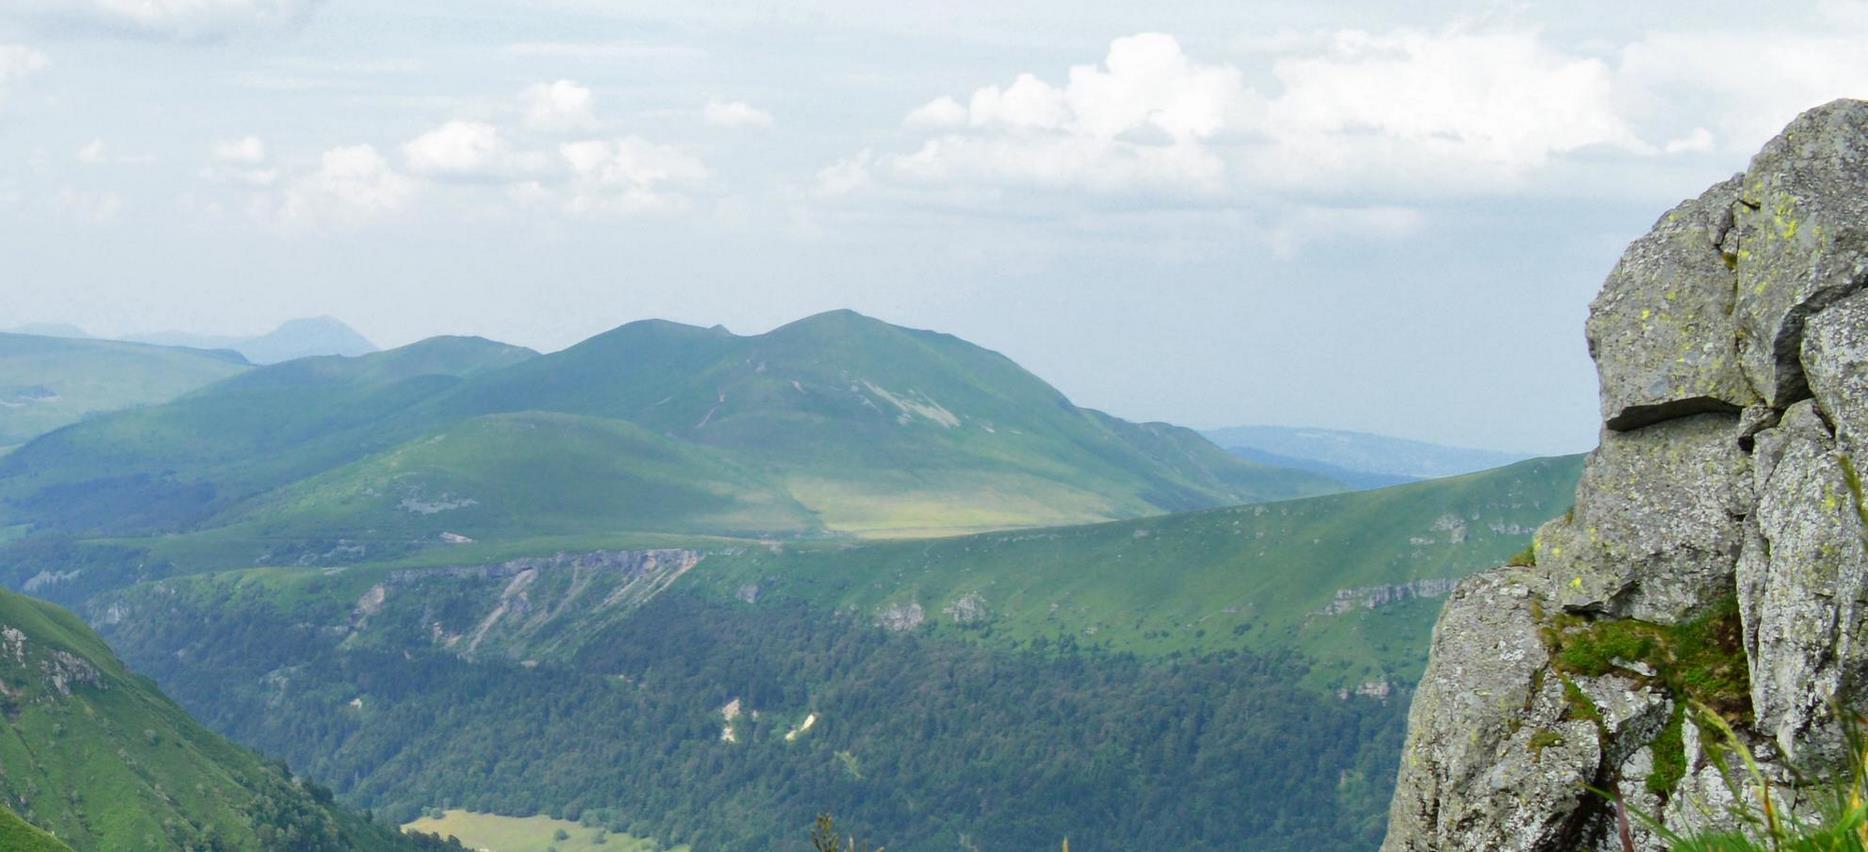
(918, 742)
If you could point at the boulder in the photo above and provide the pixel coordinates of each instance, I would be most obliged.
(1733, 356)
(1499, 753)
(1801, 240)
(1656, 530)
(1661, 332)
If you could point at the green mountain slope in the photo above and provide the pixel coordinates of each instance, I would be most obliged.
(99, 758)
(837, 424)
(1352, 581)
(49, 382)
(1007, 687)
(18, 835)
(883, 430)
(172, 466)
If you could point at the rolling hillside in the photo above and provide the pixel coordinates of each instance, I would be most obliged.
(834, 425)
(1070, 673)
(97, 757)
(49, 382)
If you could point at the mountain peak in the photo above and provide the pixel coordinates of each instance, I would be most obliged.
(305, 337)
(838, 321)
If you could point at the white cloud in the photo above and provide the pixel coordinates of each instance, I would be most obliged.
(240, 161)
(629, 175)
(563, 105)
(92, 153)
(246, 151)
(458, 149)
(1352, 115)
(1446, 112)
(1137, 123)
(185, 19)
(17, 62)
(353, 183)
(735, 114)
(942, 113)
(1693, 78)
(846, 176)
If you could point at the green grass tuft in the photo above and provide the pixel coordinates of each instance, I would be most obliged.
(1702, 660)
(1669, 754)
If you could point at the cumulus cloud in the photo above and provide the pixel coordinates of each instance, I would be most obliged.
(846, 176)
(735, 114)
(942, 113)
(351, 184)
(1138, 122)
(1449, 111)
(240, 161)
(1455, 110)
(629, 175)
(92, 153)
(458, 149)
(563, 105)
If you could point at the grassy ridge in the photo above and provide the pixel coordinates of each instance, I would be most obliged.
(1337, 580)
(834, 425)
(1260, 577)
(18, 835)
(49, 382)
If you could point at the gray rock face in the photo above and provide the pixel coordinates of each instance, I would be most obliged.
(1500, 744)
(1802, 594)
(1801, 240)
(1732, 345)
(1655, 533)
(1661, 331)
(1835, 359)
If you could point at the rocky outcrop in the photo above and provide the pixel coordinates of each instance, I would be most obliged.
(1717, 555)
(1373, 597)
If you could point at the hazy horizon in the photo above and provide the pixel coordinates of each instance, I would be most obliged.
(1360, 217)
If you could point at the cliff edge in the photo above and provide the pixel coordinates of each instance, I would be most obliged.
(1717, 554)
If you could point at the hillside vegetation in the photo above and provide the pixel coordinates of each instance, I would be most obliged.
(596, 685)
(49, 382)
(97, 757)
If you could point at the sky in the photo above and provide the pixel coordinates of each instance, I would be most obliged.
(1373, 216)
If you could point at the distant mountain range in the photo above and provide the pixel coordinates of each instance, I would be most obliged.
(837, 424)
(299, 338)
(1357, 459)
